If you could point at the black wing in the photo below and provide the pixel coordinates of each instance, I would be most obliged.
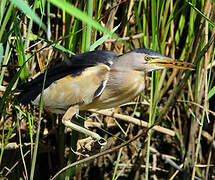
(73, 66)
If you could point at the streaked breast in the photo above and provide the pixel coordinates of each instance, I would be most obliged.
(120, 89)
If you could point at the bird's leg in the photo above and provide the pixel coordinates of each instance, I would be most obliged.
(66, 121)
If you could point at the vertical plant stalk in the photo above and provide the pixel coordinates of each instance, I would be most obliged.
(89, 27)
(150, 131)
(153, 82)
(27, 40)
(2, 142)
(172, 35)
(154, 26)
(213, 133)
(154, 96)
(198, 145)
(6, 19)
(5, 139)
(38, 131)
(190, 35)
(48, 22)
(21, 151)
(128, 16)
(207, 10)
(145, 25)
(117, 164)
(72, 155)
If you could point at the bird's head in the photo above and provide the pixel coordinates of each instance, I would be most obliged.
(147, 60)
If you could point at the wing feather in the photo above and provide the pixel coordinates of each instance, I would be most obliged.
(81, 90)
(71, 67)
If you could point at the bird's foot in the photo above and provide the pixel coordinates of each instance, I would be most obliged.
(88, 146)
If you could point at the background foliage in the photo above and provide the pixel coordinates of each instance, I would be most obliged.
(33, 33)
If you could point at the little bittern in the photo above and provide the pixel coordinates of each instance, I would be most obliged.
(95, 80)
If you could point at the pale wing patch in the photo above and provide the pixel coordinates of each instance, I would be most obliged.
(100, 89)
(76, 90)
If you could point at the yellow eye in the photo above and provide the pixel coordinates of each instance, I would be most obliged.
(147, 58)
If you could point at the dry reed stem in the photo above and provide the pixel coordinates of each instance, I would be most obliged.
(134, 121)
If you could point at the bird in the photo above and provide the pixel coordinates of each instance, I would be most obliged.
(97, 79)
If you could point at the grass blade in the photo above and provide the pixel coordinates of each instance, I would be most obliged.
(102, 39)
(202, 14)
(72, 10)
(23, 6)
(89, 27)
(1, 53)
(211, 93)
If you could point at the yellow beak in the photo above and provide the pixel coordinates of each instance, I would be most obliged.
(171, 63)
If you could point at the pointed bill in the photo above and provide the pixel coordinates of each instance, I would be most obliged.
(171, 63)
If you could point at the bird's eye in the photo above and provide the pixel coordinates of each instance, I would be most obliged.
(147, 58)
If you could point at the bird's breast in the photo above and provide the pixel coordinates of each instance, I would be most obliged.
(122, 87)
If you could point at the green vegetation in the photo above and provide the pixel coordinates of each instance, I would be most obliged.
(34, 143)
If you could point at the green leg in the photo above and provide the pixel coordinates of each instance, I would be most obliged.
(66, 121)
